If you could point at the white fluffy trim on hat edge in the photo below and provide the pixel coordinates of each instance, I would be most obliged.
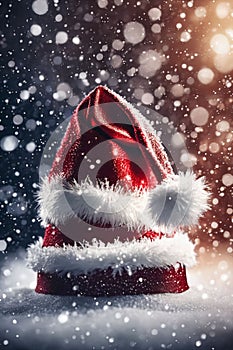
(129, 255)
(178, 201)
(100, 203)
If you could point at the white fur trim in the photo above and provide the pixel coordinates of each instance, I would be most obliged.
(59, 201)
(179, 201)
(129, 255)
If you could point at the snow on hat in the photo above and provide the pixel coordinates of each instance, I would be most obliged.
(116, 230)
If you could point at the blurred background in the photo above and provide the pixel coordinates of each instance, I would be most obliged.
(173, 57)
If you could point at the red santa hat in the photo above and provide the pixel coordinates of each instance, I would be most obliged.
(116, 230)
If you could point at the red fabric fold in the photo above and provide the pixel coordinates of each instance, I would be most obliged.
(103, 117)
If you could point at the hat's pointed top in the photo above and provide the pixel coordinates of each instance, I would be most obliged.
(102, 89)
(102, 116)
(101, 94)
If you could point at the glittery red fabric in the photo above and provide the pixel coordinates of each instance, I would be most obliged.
(103, 283)
(135, 159)
(55, 238)
(100, 117)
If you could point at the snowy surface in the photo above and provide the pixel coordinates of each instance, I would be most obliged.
(198, 318)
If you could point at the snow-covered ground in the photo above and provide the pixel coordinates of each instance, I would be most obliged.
(199, 318)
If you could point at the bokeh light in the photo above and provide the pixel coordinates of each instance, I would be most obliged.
(220, 44)
(134, 32)
(199, 116)
(205, 75)
(223, 9)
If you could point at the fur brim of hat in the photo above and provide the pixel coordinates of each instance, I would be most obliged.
(177, 201)
(128, 256)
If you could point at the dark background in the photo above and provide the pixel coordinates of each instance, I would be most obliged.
(37, 64)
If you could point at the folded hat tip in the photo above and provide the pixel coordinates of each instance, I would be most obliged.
(101, 88)
(102, 94)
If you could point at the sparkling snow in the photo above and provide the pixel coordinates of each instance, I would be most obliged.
(200, 317)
